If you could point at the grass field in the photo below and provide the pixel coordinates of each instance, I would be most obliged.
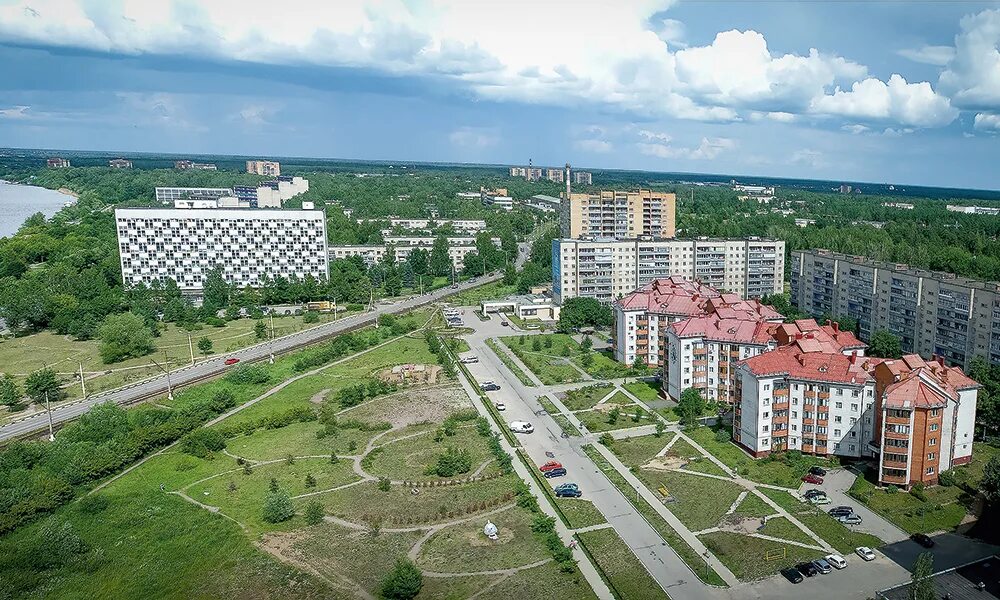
(780, 527)
(456, 548)
(474, 296)
(752, 558)
(580, 513)
(546, 363)
(566, 425)
(752, 506)
(836, 534)
(637, 451)
(587, 397)
(625, 574)
(699, 501)
(597, 421)
(647, 391)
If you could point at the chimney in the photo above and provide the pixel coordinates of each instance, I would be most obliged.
(940, 359)
(798, 335)
(836, 327)
(854, 356)
(828, 323)
(568, 188)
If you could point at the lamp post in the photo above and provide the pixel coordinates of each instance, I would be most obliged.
(48, 409)
(270, 341)
(170, 388)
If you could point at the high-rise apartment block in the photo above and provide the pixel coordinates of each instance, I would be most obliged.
(120, 163)
(249, 245)
(933, 313)
(267, 168)
(57, 163)
(583, 178)
(617, 214)
(555, 175)
(609, 269)
(642, 317)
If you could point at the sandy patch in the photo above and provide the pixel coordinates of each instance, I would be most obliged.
(413, 405)
(665, 463)
(740, 524)
(320, 396)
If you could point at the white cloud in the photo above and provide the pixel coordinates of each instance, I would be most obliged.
(708, 149)
(855, 128)
(594, 145)
(929, 55)
(654, 136)
(474, 137)
(256, 114)
(15, 112)
(809, 157)
(987, 122)
(913, 104)
(972, 79)
(622, 55)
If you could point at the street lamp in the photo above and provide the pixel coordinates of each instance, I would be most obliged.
(48, 409)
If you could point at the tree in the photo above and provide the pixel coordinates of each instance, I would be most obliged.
(124, 336)
(403, 582)
(536, 344)
(277, 507)
(690, 406)
(440, 262)
(990, 484)
(216, 289)
(583, 312)
(40, 382)
(260, 330)
(10, 393)
(205, 345)
(310, 481)
(314, 513)
(509, 274)
(419, 261)
(922, 586)
(586, 344)
(884, 344)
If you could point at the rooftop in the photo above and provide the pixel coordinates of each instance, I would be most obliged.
(917, 383)
(671, 296)
(814, 365)
(961, 583)
(718, 329)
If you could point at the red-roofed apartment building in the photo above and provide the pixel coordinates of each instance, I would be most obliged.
(642, 317)
(925, 419)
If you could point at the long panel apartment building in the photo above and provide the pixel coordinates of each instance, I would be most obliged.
(618, 214)
(371, 254)
(610, 269)
(933, 313)
(249, 245)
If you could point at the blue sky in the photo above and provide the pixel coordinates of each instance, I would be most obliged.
(860, 91)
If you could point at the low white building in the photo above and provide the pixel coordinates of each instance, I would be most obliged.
(167, 195)
(458, 248)
(527, 307)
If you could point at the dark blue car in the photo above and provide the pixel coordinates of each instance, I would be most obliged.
(557, 472)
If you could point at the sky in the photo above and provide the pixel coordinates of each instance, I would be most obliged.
(894, 92)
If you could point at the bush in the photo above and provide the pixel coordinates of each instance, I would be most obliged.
(606, 439)
(314, 513)
(248, 375)
(947, 478)
(310, 316)
(917, 491)
(722, 436)
(203, 442)
(277, 507)
(891, 489)
(93, 504)
(403, 582)
(384, 484)
(452, 462)
(543, 524)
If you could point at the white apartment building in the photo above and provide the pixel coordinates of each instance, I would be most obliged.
(460, 225)
(458, 248)
(249, 245)
(974, 210)
(166, 195)
(608, 269)
(497, 198)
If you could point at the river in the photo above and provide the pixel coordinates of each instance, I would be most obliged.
(18, 202)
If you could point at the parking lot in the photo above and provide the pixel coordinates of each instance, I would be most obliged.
(835, 484)
(950, 550)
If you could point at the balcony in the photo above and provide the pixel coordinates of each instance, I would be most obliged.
(781, 393)
(893, 479)
(894, 464)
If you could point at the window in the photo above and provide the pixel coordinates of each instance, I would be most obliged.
(854, 406)
(767, 386)
(932, 442)
(764, 428)
(935, 412)
(931, 455)
(838, 405)
(934, 426)
(836, 432)
(930, 470)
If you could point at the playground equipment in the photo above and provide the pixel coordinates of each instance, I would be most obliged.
(775, 554)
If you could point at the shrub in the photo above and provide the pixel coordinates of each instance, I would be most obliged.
(482, 426)
(917, 491)
(314, 513)
(891, 489)
(606, 439)
(202, 442)
(277, 506)
(452, 462)
(310, 316)
(93, 504)
(947, 478)
(403, 582)
(660, 428)
(613, 415)
(721, 436)
(543, 524)
(384, 484)
(248, 375)
(310, 481)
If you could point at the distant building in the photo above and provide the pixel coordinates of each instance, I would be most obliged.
(527, 308)
(555, 175)
(210, 202)
(249, 245)
(184, 165)
(459, 225)
(804, 222)
(543, 203)
(120, 163)
(970, 210)
(166, 195)
(618, 214)
(458, 248)
(518, 171)
(57, 163)
(845, 189)
(583, 178)
(759, 193)
(266, 168)
(901, 205)
(496, 198)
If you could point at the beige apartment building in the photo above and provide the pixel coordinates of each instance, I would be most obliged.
(619, 215)
(267, 168)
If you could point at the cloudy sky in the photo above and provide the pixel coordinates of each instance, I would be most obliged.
(861, 91)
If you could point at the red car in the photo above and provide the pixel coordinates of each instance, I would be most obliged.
(550, 465)
(810, 478)
(232, 361)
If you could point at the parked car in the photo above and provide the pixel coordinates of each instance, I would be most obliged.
(552, 464)
(865, 552)
(822, 566)
(923, 539)
(500, 406)
(485, 383)
(470, 359)
(505, 323)
(557, 472)
(836, 560)
(568, 493)
(818, 471)
(232, 361)
(840, 511)
(792, 574)
(567, 486)
(850, 519)
(820, 500)
(813, 479)
(490, 387)
(521, 427)
(807, 569)
(813, 492)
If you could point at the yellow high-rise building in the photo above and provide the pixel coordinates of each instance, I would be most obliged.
(619, 215)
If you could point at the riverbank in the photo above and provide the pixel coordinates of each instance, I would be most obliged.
(19, 201)
(69, 192)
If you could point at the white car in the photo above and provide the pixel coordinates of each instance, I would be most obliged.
(469, 360)
(500, 406)
(521, 427)
(865, 552)
(836, 560)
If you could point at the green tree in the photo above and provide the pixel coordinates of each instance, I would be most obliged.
(990, 484)
(922, 579)
(536, 344)
(586, 344)
(403, 582)
(124, 336)
(10, 393)
(277, 507)
(40, 382)
(205, 345)
(509, 275)
(314, 513)
(583, 312)
(440, 262)
(260, 330)
(884, 344)
(310, 481)
(310, 316)
(419, 261)
(690, 406)
(216, 289)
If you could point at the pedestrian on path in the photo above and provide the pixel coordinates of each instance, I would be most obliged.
(161, 488)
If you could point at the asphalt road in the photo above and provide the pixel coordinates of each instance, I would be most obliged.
(178, 377)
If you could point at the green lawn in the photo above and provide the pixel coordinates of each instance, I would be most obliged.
(580, 513)
(597, 421)
(458, 547)
(510, 364)
(545, 581)
(945, 506)
(637, 451)
(625, 574)
(826, 527)
(780, 527)
(586, 397)
(647, 391)
(548, 405)
(298, 439)
(566, 425)
(495, 290)
(409, 458)
(696, 460)
(752, 558)
(752, 506)
(772, 471)
(699, 501)
(669, 535)
(546, 363)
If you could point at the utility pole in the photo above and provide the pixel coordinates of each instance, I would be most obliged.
(170, 388)
(270, 342)
(83, 384)
(191, 349)
(48, 409)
